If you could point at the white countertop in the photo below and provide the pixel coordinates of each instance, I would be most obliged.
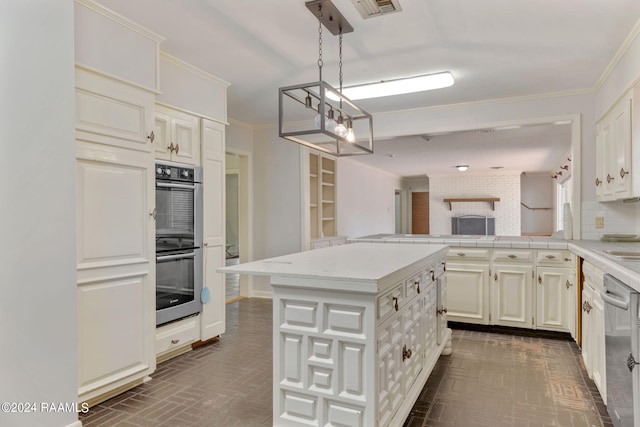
(359, 262)
(590, 250)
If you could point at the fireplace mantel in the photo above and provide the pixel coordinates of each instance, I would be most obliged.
(490, 200)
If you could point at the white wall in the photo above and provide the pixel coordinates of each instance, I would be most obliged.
(38, 359)
(506, 186)
(537, 192)
(365, 200)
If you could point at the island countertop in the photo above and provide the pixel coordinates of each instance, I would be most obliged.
(354, 262)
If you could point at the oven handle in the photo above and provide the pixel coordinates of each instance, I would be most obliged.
(172, 185)
(177, 256)
(622, 303)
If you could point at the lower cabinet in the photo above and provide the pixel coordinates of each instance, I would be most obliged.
(593, 332)
(524, 288)
(352, 359)
(555, 299)
(176, 338)
(511, 296)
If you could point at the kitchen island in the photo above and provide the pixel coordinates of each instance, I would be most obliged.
(357, 330)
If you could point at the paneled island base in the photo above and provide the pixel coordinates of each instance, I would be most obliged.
(357, 330)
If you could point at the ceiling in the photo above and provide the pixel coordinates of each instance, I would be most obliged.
(494, 49)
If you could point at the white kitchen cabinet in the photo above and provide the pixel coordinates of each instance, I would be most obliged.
(555, 298)
(177, 135)
(353, 343)
(615, 157)
(212, 317)
(323, 179)
(115, 236)
(593, 332)
(512, 296)
(176, 337)
(467, 298)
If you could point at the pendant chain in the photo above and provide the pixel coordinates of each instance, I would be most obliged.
(320, 63)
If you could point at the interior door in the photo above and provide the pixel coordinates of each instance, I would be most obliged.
(420, 212)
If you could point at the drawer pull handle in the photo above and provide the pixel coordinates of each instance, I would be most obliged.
(539, 280)
(495, 276)
(567, 259)
(623, 173)
(441, 311)
(444, 266)
(550, 257)
(395, 303)
(406, 353)
(568, 284)
(461, 254)
(512, 256)
(433, 275)
(174, 341)
(417, 283)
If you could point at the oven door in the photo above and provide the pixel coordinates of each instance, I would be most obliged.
(178, 284)
(177, 207)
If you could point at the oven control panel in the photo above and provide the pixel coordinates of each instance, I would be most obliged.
(167, 172)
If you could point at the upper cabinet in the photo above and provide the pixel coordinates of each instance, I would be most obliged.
(615, 157)
(177, 136)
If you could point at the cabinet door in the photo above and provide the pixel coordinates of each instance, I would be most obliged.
(603, 153)
(413, 343)
(512, 298)
(552, 298)
(213, 146)
(467, 298)
(442, 310)
(620, 160)
(116, 267)
(390, 372)
(162, 132)
(185, 134)
(598, 353)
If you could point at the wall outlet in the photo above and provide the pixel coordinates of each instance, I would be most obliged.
(599, 222)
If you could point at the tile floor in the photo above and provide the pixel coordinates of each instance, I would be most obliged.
(491, 379)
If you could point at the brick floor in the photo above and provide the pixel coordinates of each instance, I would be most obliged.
(491, 379)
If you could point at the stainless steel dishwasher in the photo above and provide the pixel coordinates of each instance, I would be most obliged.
(621, 344)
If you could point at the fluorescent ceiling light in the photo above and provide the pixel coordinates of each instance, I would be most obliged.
(398, 86)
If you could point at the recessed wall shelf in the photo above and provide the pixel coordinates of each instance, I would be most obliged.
(490, 200)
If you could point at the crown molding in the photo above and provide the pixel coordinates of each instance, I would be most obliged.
(122, 20)
(622, 50)
(192, 69)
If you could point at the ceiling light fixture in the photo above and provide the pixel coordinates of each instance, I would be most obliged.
(307, 111)
(462, 168)
(399, 86)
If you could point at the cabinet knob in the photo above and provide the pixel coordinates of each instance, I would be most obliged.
(154, 213)
(568, 284)
(406, 353)
(177, 148)
(441, 311)
(175, 341)
(550, 257)
(171, 147)
(609, 179)
(539, 280)
(623, 173)
(495, 276)
(598, 182)
(151, 137)
(567, 259)
(586, 307)
(461, 254)
(512, 256)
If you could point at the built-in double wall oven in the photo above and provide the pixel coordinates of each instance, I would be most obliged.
(178, 241)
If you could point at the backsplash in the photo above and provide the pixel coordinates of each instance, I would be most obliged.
(619, 218)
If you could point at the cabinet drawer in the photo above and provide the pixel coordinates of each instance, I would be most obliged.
(460, 254)
(513, 255)
(175, 335)
(390, 302)
(441, 267)
(416, 284)
(555, 257)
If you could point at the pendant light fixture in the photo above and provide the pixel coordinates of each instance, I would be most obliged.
(317, 115)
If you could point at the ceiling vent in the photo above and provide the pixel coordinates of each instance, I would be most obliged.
(371, 8)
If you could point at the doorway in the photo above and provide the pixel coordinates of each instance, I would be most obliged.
(237, 220)
(420, 212)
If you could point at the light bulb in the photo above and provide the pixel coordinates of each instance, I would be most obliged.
(351, 137)
(318, 121)
(341, 130)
